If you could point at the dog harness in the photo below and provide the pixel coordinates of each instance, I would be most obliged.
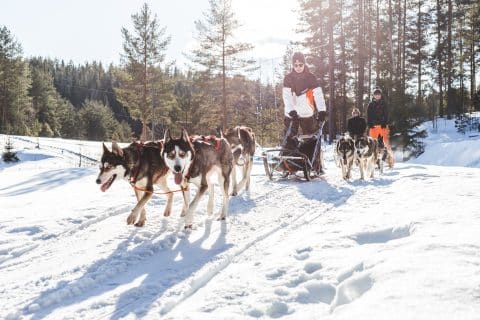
(210, 140)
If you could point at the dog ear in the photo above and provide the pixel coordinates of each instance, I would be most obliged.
(185, 135)
(167, 137)
(105, 149)
(116, 149)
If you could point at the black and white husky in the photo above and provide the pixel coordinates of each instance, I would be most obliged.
(345, 153)
(142, 166)
(366, 156)
(196, 160)
(242, 143)
(384, 155)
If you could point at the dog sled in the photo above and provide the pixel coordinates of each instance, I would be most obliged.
(299, 153)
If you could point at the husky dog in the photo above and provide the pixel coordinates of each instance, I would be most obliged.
(345, 151)
(242, 143)
(366, 155)
(142, 166)
(384, 155)
(195, 160)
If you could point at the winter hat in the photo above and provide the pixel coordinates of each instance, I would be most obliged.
(298, 56)
(377, 90)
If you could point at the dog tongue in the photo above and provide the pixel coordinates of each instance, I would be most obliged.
(178, 177)
(104, 187)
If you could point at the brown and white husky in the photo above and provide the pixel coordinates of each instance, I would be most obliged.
(196, 160)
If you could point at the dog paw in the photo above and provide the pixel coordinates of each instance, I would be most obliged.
(188, 227)
(166, 213)
(222, 218)
(140, 224)
(131, 219)
(234, 193)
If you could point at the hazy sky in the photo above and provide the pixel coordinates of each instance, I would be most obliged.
(89, 30)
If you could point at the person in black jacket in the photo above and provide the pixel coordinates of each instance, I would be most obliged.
(356, 125)
(377, 110)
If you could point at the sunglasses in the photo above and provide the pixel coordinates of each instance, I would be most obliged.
(298, 65)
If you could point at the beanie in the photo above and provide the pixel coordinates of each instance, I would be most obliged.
(298, 56)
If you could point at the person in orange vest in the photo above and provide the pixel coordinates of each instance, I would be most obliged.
(377, 115)
(302, 94)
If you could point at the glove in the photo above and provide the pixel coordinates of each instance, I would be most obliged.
(321, 116)
(293, 114)
(383, 125)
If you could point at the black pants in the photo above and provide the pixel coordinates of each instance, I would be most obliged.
(307, 125)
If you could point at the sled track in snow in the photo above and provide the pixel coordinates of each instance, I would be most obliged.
(106, 269)
(185, 289)
(204, 276)
(19, 252)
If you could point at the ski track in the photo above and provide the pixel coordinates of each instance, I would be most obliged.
(152, 246)
(19, 252)
(181, 292)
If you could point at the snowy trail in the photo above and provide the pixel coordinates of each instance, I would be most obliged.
(74, 281)
(338, 261)
(404, 241)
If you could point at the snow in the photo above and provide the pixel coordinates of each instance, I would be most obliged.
(403, 245)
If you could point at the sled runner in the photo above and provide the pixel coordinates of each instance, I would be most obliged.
(298, 153)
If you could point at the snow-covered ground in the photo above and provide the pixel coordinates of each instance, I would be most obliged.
(404, 245)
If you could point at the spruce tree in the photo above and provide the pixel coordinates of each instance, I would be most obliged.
(9, 155)
(217, 53)
(15, 109)
(140, 78)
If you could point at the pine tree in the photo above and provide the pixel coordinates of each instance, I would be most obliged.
(143, 52)
(9, 155)
(15, 110)
(217, 53)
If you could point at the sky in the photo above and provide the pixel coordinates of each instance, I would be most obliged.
(90, 30)
(403, 245)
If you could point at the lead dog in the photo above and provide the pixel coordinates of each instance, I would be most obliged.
(195, 160)
(142, 166)
(366, 155)
(242, 143)
(345, 151)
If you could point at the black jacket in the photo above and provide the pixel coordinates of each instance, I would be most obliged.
(377, 113)
(356, 126)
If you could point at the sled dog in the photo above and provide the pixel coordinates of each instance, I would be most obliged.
(366, 155)
(345, 152)
(383, 154)
(242, 143)
(142, 166)
(195, 160)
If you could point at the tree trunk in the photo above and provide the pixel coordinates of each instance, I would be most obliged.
(390, 40)
(331, 72)
(440, 56)
(473, 88)
(449, 59)
(343, 71)
(224, 87)
(377, 44)
(361, 56)
(404, 40)
(419, 53)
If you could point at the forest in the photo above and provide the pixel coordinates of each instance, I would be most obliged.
(423, 54)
